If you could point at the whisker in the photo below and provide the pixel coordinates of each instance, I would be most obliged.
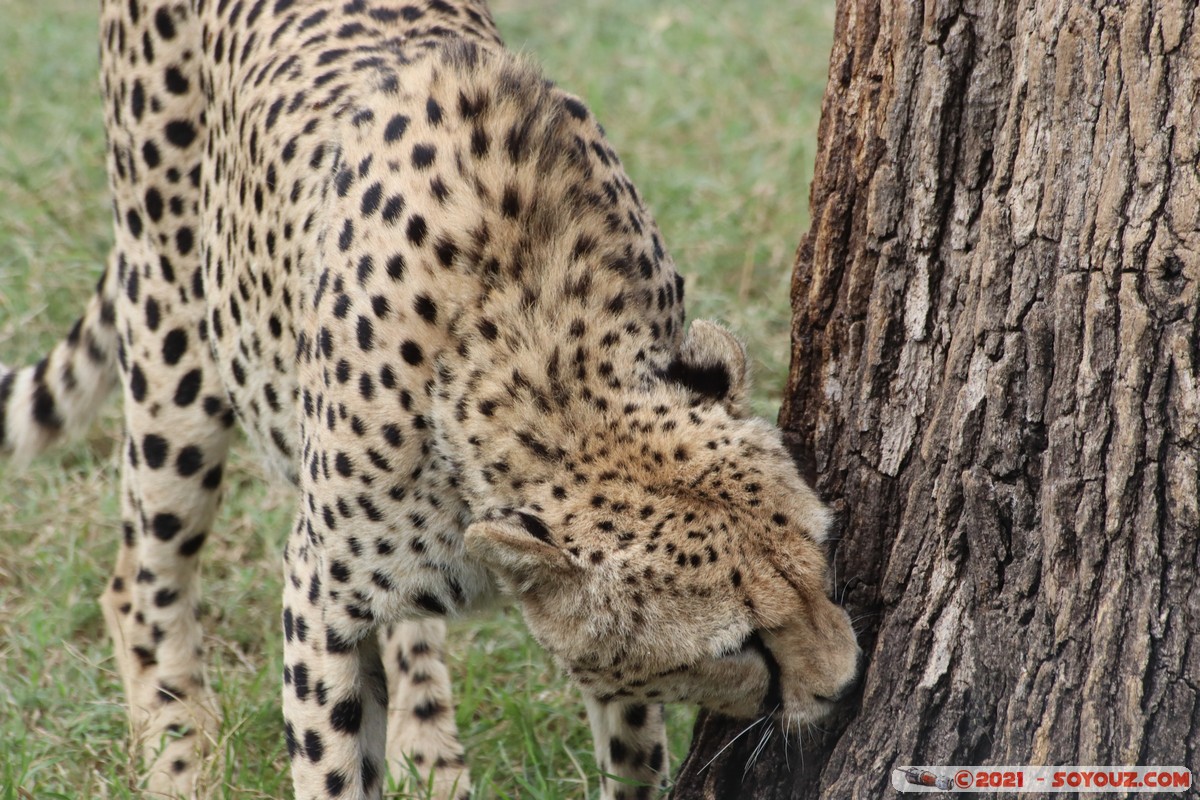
(815, 733)
(768, 732)
(845, 589)
(744, 731)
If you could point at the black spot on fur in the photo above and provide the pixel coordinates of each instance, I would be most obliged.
(336, 643)
(479, 143)
(446, 252)
(430, 602)
(428, 710)
(150, 154)
(656, 759)
(433, 111)
(510, 203)
(425, 308)
(370, 774)
(314, 748)
(165, 597)
(396, 127)
(189, 461)
(417, 229)
(289, 735)
(137, 383)
(410, 351)
(371, 198)
(392, 209)
(347, 715)
(166, 526)
(395, 267)
(45, 411)
(366, 334)
(180, 133)
(335, 783)
(575, 108)
(192, 545)
(618, 750)
(164, 24)
(188, 388)
(423, 156)
(154, 448)
(174, 346)
(175, 81)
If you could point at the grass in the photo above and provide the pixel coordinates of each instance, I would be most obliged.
(713, 107)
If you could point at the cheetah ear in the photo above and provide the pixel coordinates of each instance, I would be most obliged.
(712, 363)
(519, 547)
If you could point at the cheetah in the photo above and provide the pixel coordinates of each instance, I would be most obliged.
(415, 272)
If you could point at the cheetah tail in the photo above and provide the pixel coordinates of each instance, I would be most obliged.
(59, 395)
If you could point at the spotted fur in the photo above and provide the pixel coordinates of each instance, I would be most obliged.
(417, 274)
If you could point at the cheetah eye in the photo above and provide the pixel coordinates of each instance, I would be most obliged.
(537, 529)
(518, 544)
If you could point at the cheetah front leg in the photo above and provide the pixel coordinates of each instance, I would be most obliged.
(422, 739)
(631, 747)
(335, 690)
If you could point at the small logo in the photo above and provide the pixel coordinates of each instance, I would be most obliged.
(923, 777)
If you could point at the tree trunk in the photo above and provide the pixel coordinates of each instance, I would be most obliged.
(995, 367)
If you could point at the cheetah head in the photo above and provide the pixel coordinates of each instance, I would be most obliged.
(689, 566)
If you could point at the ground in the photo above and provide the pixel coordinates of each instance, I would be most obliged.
(713, 108)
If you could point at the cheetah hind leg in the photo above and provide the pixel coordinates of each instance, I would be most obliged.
(423, 751)
(179, 752)
(175, 739)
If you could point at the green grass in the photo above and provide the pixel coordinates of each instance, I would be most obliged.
(712, 106)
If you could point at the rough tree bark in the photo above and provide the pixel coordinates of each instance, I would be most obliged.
(995, 375)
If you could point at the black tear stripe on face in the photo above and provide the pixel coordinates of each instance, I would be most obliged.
(774, 698)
